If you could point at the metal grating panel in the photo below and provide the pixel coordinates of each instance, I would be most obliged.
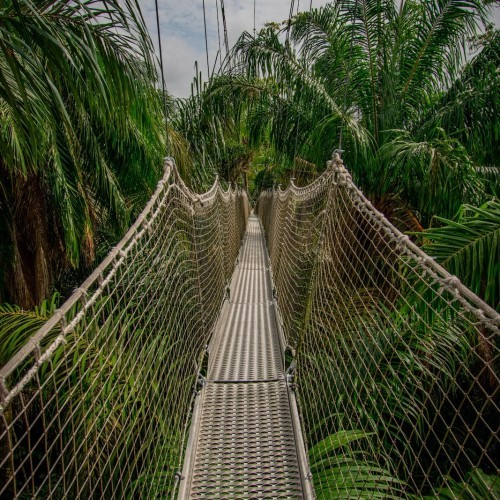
(246, 447)
(251, 286)
(248, 346)
(253, 255)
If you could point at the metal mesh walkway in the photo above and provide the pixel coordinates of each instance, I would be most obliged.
(244, 442)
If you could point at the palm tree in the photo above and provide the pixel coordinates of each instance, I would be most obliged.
(213, 143)
(391, 78)
(80, 138)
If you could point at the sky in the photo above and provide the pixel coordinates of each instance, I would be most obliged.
(183, 36)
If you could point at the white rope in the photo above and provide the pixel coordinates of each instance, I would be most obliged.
(110, 376)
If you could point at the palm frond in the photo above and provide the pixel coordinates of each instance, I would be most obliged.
(470, 248)
(425, 168)
(79, 115)
(18, 325)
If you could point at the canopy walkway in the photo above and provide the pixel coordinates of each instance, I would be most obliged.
(192, 363)
(243, 440)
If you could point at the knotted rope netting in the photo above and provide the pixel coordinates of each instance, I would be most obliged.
(396, 361)
(97, 403)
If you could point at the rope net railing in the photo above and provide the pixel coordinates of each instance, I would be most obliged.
(97, 403)
(396, 362)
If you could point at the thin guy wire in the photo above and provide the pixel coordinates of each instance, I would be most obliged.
(254, 30)
(206, 39)
(163, 83)
(226, 40)
(298, 121)
(218, 33)
(290, 15)
(348, 75)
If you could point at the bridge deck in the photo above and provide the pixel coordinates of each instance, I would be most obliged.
(244, 440)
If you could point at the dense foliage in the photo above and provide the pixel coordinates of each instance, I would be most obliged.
(417, 117)
(80, 142)
(469, 247)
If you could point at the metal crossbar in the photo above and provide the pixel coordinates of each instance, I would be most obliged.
(95, 405)
(396, 361)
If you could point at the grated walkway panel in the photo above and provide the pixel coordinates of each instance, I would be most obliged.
(243, 440)
(251, 286)
(248, 347)
(246, 446)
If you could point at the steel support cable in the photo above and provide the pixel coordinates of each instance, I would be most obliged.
(290, 15)
(226, 40)
(298, 121)
(218, 34)
(254, 28)
(212, 114)
(395, 356)
(163, 83)
(348, 75)
(282, 83)
(206, 38)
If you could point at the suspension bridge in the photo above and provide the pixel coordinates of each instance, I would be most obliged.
(308, 349)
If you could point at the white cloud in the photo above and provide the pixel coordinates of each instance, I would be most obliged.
(179, 59)
(183, 35)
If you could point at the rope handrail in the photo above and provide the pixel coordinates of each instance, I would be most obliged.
(396, 361)
(447, 280)
(34, 342)
(343, 177)
(79, 293)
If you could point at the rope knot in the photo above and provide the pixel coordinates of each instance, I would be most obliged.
(168, 165)
(343, 178)
(450, 284)
(491, 323)
(3, 392)
(148, 226)
(452, 281)
(401, 241)
(337, 156)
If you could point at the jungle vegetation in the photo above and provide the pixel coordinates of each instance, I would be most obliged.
(412, 87)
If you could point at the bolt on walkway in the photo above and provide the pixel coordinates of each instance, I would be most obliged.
(245, 439)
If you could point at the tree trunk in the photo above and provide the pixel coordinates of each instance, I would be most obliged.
(35, 247)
